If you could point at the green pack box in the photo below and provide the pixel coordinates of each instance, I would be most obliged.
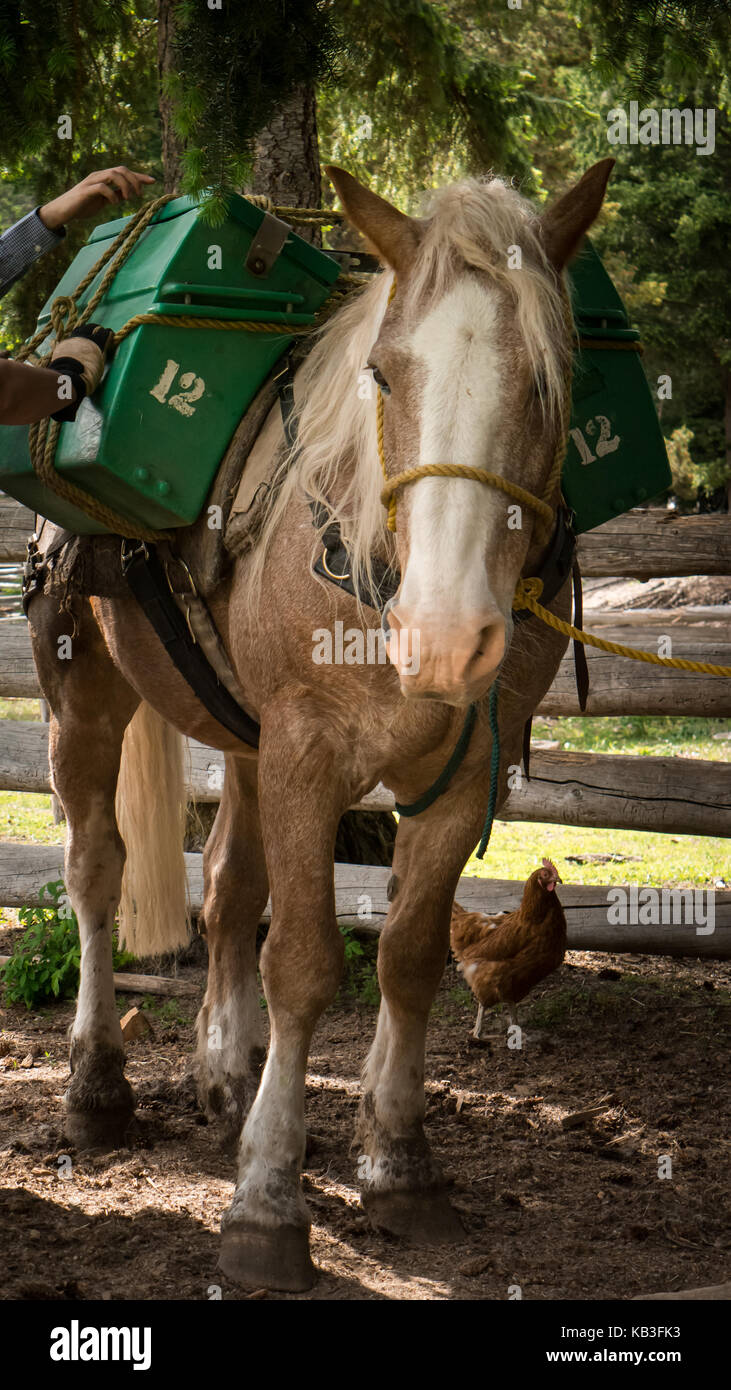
(150, 441)
(616, 455)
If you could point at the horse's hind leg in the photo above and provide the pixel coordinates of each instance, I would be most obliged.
(230, 1023)
(91, 705)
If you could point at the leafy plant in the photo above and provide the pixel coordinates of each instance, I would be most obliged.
(46, 962)
(361, 975)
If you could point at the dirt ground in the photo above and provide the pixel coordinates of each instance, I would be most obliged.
(563, 1208)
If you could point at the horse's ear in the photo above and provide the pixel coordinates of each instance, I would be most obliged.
(563, 225)
(391, 234)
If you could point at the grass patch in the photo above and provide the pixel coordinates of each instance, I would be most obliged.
(657, 736)
(27, 816)
(653, 859)
(20, 709)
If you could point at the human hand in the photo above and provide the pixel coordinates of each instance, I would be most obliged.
(89, 196)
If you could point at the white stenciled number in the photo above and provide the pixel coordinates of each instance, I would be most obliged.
(192, 389)
(166, 380)
(605, 444)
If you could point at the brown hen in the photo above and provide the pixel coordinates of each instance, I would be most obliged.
(502, 958)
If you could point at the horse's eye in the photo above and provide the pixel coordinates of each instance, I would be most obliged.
(380, 380)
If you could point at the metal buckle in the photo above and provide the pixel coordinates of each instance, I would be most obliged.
(180, 561)
(180, 599)
(129, 552)
(330, 573)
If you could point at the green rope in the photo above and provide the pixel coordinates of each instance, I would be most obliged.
(415, 808)
(494, 768)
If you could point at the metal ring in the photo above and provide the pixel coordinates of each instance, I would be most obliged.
(327, 569)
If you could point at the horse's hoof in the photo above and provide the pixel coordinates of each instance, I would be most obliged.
(267, 1257)
(99, 1129)
(422, 1218)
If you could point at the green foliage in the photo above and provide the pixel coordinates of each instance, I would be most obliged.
(689, 477)
(46, 962)
(167, 1011)
(665, 39)
(668, 231)
(361, 974)
(95, 62)
(431, 92)
(234, 67)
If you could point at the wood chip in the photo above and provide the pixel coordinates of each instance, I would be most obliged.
(578, 1118)
(135, 1025)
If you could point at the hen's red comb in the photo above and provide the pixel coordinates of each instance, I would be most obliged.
(547, 864)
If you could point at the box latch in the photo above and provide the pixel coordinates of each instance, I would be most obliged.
(267, 244)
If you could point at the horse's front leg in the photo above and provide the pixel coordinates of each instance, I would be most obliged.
(402, 1187)
(266, 1229)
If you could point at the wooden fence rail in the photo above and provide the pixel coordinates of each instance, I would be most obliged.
(676, 795)
(360, 895)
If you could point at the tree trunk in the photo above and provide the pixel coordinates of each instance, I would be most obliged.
(728, 439)
(287, 169)
(172, 145)
(287, 163)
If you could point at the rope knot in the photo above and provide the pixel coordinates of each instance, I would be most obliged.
(527, 590)
(63, 315)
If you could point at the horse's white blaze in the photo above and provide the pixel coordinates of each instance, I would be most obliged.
(446, 594)
(456, 343)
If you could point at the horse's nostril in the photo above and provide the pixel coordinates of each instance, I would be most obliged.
(490, 644)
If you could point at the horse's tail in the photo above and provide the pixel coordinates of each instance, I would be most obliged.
(154, 914)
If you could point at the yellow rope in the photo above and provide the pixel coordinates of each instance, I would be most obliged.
(459, 470)
(322, 217)
(224, 325)
(528, 592)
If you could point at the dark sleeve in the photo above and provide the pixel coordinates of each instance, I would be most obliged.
(21, 245)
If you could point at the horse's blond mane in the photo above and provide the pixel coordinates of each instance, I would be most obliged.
(474, 223)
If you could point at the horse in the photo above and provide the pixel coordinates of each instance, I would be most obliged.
(466, 335)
